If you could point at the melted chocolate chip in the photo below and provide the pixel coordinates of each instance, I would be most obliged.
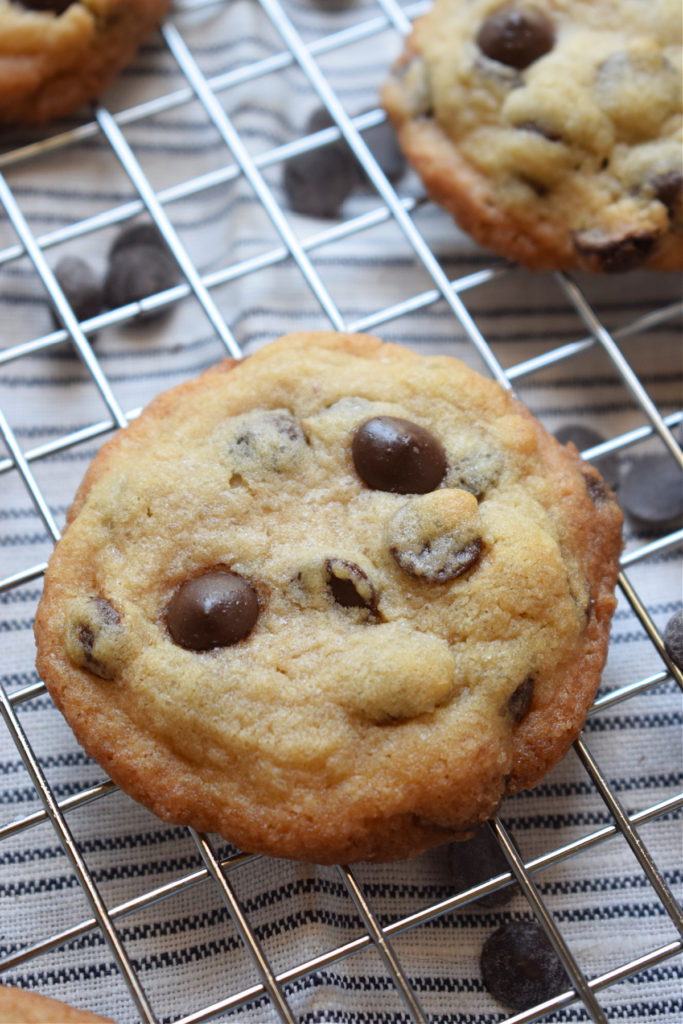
(615, 255)
(516, 37)
(668, 189)
(349, 585)
(440, 560)
(520, 701)
(520, 967)
(216, 609)
(393, 454)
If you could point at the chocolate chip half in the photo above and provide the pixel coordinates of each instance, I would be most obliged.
(520, 967)
(216, 609)
(349, 585)
(673, 638)
(393, 454)
(585, 437)
(515, 36)
(520, 701)
(137, 271)
(651, 494)
(81, 286)
(439, 560)
(475, 861)
(614, 254)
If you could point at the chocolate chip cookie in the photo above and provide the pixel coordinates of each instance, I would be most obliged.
(333, 601)
(550, 130)
(56, 55)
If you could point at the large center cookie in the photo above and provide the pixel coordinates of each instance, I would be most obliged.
(332, 602)
(550, 129)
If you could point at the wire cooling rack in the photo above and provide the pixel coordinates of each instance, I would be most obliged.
(105, 907)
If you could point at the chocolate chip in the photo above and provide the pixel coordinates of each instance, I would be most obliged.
(612, 254)
(520, 701)
(651, 494)
(141, 233)
(57, 6)
(265, 441)
(137, 271)
(349, 585)
(668, 189)
(538, 129)
(318, 181)
(216, 609)
(585, 437)
(93, 637)
(520, 967)
(380, 139)
(516, 37)
(83, 290)
(439, 560)
(673, 638)
(393, 454)
(475, 861)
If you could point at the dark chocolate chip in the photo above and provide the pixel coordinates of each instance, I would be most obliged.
(349, 585)
(475, 861)
(216, 609)
(57, 6)
(439, 560)
(520, 967)
(598, 491)
(673, 638)
(393, 454)
(141, 233)
(668, 189)
(538, 129)
(136, 272)
(584, 438)
(520, 701)
(380, 139)
(515, 36)
(318, 181)
(614, 255)
(651, 494)
(81, 286)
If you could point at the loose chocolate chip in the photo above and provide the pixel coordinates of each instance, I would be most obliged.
(651, 494)
(136, 272)
(393, 454)
(141, 233)
(614, 255)
(81, 286)
(216, 609)
(380, 140)
(520, 701)
(349, 585)
(318, 181)
(673, 638)
(520, 967)
(668, 188)
(516, 37)
(477, 860)
(439, 560)
(57, 6)
(585, 437)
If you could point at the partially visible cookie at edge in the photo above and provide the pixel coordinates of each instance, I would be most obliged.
(19, 1006)
(57, 55)
(333, 601)
(550, 129)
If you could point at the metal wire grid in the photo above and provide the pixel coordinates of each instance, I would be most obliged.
(271, 983)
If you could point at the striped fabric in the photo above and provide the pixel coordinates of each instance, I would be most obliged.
(132, 925)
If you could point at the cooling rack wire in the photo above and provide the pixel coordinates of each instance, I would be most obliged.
(105, 907)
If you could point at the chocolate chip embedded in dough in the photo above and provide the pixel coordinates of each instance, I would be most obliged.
(393, 454)
(265, 440)
(614, 254)
(668, 189)
(93, 637)
(520, 967)
(436, 537)
(56, 6)
(515, 36)
(520, 701)
(216, 609)
(349, 585)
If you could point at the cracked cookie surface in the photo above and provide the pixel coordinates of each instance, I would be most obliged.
(57, 55)
(550, 129)
(287, 607)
